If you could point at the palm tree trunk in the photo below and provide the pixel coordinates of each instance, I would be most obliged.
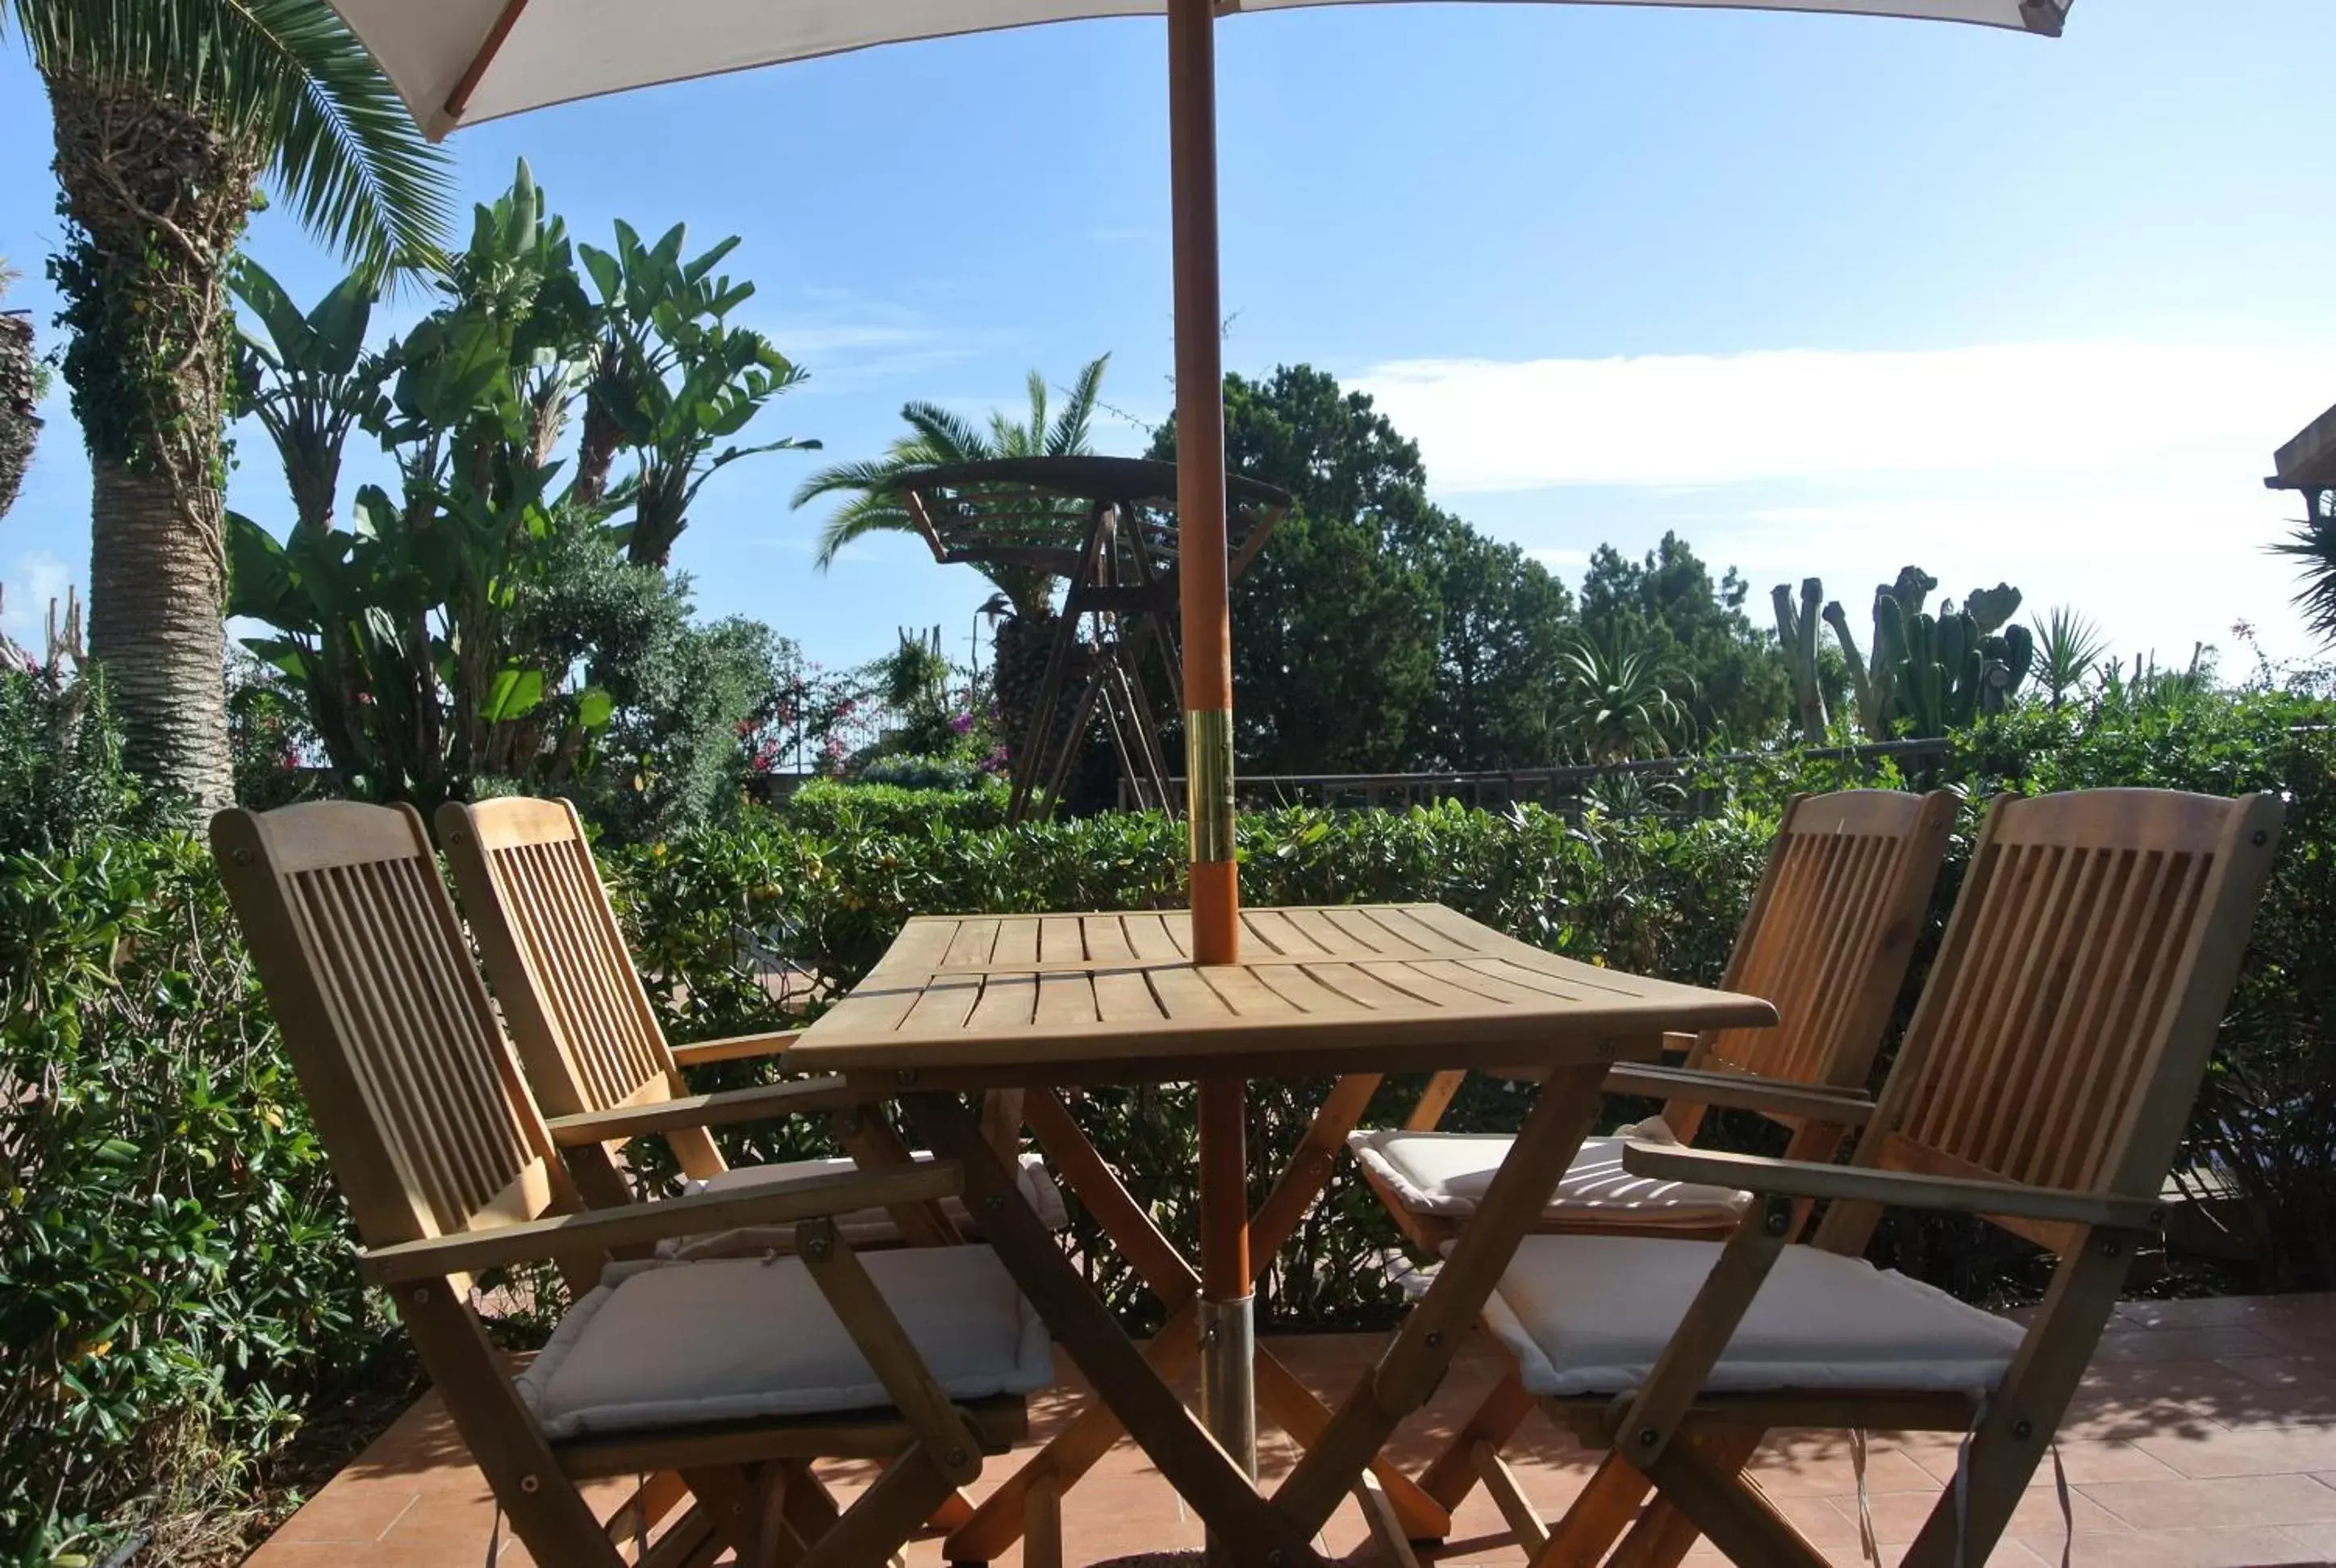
(1024, 640)
(156, 196)
(19, 425)
(155, 628)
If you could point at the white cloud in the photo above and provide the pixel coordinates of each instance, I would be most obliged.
(1559, 560)
(848, 343)
(36, 578)
(2157, 568)
(1688, 420)
(809, 342)
(2124, 478)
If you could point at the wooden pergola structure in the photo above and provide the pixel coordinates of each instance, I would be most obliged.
(2308, 463)
(1107, 526)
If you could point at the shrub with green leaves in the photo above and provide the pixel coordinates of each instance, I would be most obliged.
(832, 808)
(62, 782)
(176, 1272)
(2267, 1123)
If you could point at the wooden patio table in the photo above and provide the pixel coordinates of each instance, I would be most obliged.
(1034, 1003)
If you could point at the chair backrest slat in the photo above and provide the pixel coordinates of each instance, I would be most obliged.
(553, 945)
(388, 1027)
(2064, 1031)
(1838, 912)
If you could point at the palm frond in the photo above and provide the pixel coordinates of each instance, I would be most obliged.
(937, 435)
(947, 436)
(856, 521)
(288, 73)
(2314, 544)
(1072, 433)
(2068, 646)
(1035, 384)
(868, 474)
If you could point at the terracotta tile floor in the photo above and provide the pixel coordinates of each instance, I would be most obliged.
(2205, 1437)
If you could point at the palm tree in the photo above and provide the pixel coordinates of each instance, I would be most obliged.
(1617, 704)
(2068, 646)
(20, 395)
(940, 436)
(167, 115)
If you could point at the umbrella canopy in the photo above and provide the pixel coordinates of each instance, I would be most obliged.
(459, 62)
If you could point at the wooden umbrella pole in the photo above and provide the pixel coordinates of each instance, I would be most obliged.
(1228, 1388)
(1201, 483)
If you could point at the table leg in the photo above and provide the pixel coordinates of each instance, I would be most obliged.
(1228, 1320)
(1430, 1337)
(873, 1146)
(1203, 1475)
(1281, 1398)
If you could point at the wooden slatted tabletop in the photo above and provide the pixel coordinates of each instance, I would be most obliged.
(970, 1001)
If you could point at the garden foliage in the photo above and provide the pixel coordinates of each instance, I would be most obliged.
(175, 1278)
(502, 618)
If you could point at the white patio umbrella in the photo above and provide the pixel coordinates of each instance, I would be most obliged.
(460, 61)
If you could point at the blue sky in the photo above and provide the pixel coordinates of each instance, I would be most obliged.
(1826, 295)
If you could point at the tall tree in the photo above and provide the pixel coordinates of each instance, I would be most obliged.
(1335, 624)
(1507, 626)
(1375, 630)
(872, 504)
(1668, 606)
(168, 114)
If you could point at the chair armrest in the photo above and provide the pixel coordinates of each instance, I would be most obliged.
(758, 1104)
(789, 1201)
(1744, 1091)
(737, 1048)
(1858, 1184)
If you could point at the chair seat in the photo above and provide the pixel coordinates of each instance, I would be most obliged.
(1445, 1173)
(664, 1345)
(1590, 1314)
(860, 1228)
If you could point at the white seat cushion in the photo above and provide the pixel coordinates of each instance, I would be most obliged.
(659, 1344)
(1447, 1173)
(860, 1228)
(1590, 1314)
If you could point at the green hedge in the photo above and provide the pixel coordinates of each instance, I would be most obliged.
(175, 1278)
(833, 808)
(176, 1273)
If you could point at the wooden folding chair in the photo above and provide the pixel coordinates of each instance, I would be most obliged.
(598, 1059)
(721, 1380)
(1832, 926)
(2045, 1084)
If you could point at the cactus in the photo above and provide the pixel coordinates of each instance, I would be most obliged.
(1875, 677)
(1927, 675)
(2013, 654)
(1797, 633)
(1948, 672)
(1989, 607)
(1869, 685)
